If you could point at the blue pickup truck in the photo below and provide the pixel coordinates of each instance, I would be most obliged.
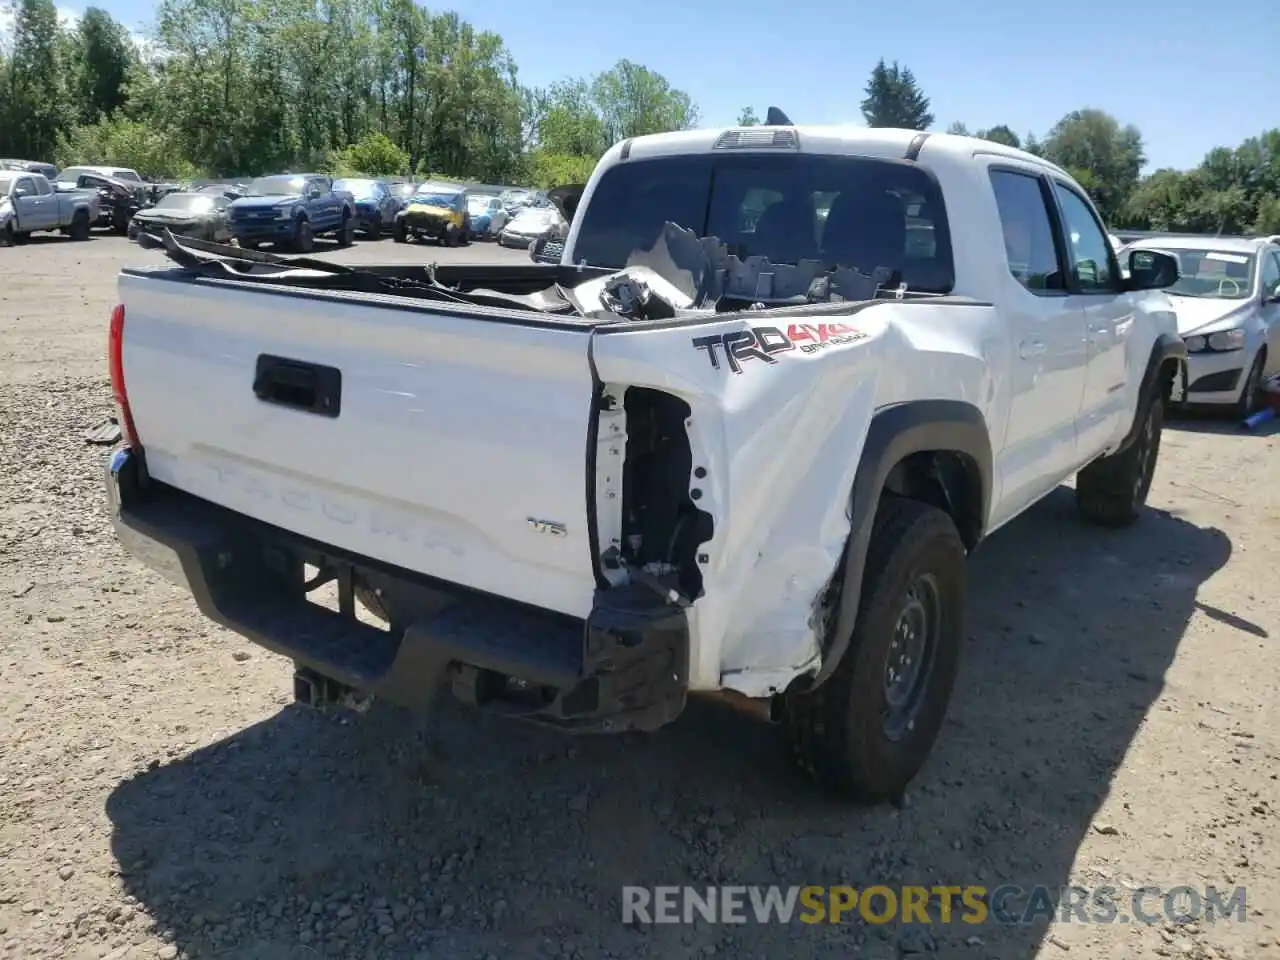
(291, 210)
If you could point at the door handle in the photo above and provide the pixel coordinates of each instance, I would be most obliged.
(1030, 349)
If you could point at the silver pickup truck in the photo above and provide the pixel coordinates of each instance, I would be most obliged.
(29, 203)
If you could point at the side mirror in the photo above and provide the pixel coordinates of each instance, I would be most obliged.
(1151, 270)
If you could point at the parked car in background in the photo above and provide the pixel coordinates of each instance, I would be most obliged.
(47, 170)
(533, 223)
(231, 191)
(374, 204)
(1227, 297)
(402, 190)
(28, 203)
(115, 173)
(436, 211)
(488, 216)
(516, 198)
(293, 209)
(118, 200)
(196, 214)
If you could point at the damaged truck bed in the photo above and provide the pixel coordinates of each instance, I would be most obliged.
(730, 446)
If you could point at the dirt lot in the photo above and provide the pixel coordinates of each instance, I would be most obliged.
(1116, 723)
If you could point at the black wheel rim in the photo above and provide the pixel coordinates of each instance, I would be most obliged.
(912, 650)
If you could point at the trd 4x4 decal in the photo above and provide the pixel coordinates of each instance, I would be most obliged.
(766, 343)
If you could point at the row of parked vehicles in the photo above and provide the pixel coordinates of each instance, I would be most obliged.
(287, 210)
(291, 210)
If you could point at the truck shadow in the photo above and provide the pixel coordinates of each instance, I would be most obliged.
(387, 836)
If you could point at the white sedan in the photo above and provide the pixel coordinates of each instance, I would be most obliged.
(530, 224)
(1228, 304)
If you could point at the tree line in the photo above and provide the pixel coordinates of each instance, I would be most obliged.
(239, 87)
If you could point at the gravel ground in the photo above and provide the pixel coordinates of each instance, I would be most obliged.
(1115, 723)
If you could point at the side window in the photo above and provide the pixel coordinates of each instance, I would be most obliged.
(42, 187)
(25, 186)
(1271, 275)
(1029, 243)
(1089, 250)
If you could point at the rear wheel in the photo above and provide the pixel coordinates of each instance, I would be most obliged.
(79, 226)
(1251, 389)
(346, 233)
(867, 731)
(1112, 491)
(304, 240)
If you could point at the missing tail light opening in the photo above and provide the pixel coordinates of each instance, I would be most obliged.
(661, 526)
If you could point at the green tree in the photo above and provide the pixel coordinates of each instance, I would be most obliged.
(633, 101)
(1093, 140)
(103, 57)
(374, 154)
(33, 87)
(958, 129)
(748, 117)
(894, 99)
(1001, 134)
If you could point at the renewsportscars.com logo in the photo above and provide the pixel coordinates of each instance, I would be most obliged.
(970, 904)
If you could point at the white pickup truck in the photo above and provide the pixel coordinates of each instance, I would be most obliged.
(28, 203)
(739, 442)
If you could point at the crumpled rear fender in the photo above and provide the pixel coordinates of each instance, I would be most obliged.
(782, 404)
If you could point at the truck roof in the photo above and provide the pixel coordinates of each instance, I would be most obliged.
(835, 139)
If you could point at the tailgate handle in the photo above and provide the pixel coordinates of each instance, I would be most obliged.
(310, 387)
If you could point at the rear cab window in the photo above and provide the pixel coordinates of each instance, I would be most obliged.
(1027, 226)
(858, 212)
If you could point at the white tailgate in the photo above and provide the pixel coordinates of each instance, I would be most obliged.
(454, 431)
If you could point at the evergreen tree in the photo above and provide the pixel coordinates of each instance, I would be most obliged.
(894, 99)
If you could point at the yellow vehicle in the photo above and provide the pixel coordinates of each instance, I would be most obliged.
(437, 211)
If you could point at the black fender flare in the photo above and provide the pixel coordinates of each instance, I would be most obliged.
(1167, 346)
(896, 432)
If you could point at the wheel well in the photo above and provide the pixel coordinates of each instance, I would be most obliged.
(948, 480)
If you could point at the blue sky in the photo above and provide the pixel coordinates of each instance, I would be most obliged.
(1189, 78)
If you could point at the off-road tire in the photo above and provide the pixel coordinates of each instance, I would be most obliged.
(79, 226)
(374, 230)
(304, 241)
(346, 233)
(399, 232)
(838, 732)
(1251, 387)
(1112, 491)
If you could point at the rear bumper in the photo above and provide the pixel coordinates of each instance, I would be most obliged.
(427, 226)
(625, 667)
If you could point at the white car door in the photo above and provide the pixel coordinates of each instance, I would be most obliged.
(1095, 283)
(1047, 324)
